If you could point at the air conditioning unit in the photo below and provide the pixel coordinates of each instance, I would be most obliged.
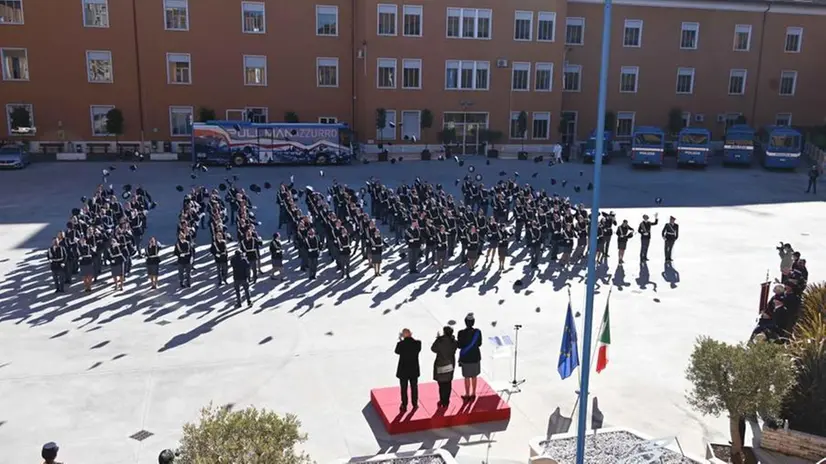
(501, 63)
(721, 118)
(699, 117)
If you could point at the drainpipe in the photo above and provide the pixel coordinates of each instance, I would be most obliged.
(354, 59)
(138, 66)
(759, 65)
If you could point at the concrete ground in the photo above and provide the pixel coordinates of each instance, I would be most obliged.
(90, 371)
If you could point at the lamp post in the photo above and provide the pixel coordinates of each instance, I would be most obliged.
(585, 368)
(465, 104)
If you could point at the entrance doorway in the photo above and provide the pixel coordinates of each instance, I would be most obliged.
(468, 126)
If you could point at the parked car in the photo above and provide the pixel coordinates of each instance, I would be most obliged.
(14, 157)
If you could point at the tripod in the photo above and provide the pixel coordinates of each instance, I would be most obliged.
(516, 383)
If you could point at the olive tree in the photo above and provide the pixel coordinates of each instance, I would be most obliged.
(246, 436)
(738, 380)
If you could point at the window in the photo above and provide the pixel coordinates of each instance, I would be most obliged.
(546, 29)
(788, 83)
(254, 17)
(742, 37)
(386, 73)
(523, 25)
(95, 13)
(387, 19)
(411, 125)
(327, 70)
(629, 75)
(412, 74)
(783, 119)
(516, 131)
(737, 82)
(521, 76)
(685, 80)
(632, 35)
(541, 126)
(99, 66)
(412, 20)
(625, 123)
(11, 108)
(15, 64)
(389, 131)
(544, 79)
(180, 121)
(468, 23)
(177, 15)
(179, 68)
(732, 118)
(255, 70)
(574, 31)
(571, 78)
(794, 39)
(327, 120)
(686, 119)
(689, 35)
(258, 115)
(467, 75)
(326, 20)
(99, 120)
(11, 11)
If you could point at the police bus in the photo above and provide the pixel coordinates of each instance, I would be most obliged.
(693, 146)
(738, 148)
(781, 147)
(647, 146)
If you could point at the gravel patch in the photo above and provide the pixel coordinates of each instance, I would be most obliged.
(611, 448)
(427, 459)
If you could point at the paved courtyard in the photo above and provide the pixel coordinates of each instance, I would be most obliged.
(89, 371)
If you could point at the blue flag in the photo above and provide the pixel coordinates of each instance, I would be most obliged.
(568, 353)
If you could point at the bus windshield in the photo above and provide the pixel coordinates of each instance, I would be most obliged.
(648, 139)
(739, 141)
(694, 139)
(787, 142)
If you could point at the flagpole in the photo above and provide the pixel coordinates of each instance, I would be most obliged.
(592, 239)
(601, 326)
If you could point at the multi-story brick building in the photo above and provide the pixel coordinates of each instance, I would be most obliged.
(472, 63)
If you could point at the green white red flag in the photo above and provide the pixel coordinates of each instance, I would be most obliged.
(604, 341)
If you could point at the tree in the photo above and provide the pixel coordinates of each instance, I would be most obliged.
(447, 136)
(381, 122)
(248, 436)
(738, 380)
(114, 124)
(610, 121)
(675, 121)
(805, 405)
(291, 117)
(741, 119)
(426, 122)
(206, 114)
(522, 127)
(19, 117)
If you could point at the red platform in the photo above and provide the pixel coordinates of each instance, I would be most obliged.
(487, 407)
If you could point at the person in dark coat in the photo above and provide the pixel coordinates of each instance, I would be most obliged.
(444, 365)
(241, 277)
(469, 341)
(407, 371)
(57, 262)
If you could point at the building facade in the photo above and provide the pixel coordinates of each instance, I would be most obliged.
(474, 64)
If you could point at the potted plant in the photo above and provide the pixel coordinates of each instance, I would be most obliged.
(447, 137)
(206, 114)
(115, 125)
(493, 137)
(522, 130)
(737, 380)
(426, 122)
(381, 123)
(291, 117)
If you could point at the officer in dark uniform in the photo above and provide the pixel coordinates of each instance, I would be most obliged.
(219, 253)
(814, 173)
(645, 235)
(276, 256)
(413, 238)
(624, 232)
(534, 237)
(183, 251)
(671, 232)
(312, 245)
(240, 277)
(57, 262)
(249, 246)
(344, 251)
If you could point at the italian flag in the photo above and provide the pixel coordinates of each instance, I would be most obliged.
(604, 341)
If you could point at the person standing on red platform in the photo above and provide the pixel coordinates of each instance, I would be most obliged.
(469, 340)
(408, 349)
(444, 365)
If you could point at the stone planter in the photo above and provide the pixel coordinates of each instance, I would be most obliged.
(793, 443)
(522, 155)
(718, 453)
(383, 156)
(426, 155)
(493, 153)
(432, 456)
(607, 446)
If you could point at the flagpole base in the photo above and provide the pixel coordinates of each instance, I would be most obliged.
(515, 386)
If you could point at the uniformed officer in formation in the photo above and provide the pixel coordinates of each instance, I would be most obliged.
(671, 232)
(645, 235)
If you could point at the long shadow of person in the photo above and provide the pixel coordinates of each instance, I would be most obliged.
(671, 275)
(644, 279)
(619, 278)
